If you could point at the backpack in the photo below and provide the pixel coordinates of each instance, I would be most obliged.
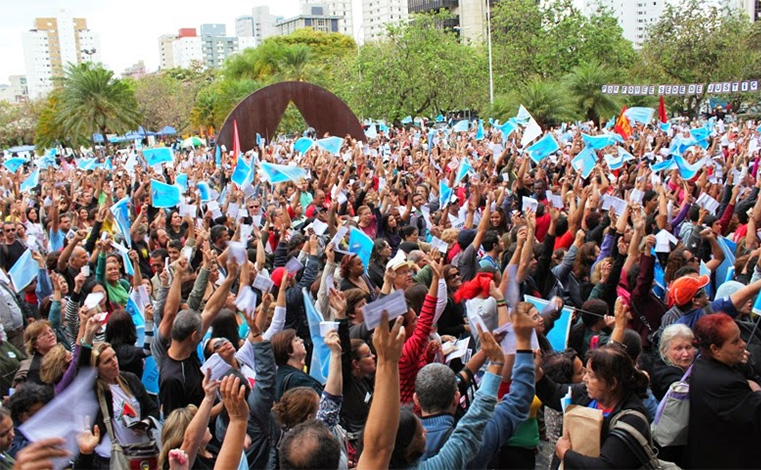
(673, 416)
(640, 446)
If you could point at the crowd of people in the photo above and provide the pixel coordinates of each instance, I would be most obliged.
(244, 325)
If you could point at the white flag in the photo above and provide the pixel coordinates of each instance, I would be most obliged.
(532, 132)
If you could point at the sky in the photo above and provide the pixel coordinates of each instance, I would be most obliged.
(129, 30)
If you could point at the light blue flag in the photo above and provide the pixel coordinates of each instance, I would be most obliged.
(729, 248)
(627, 157)
(361, 245)
(164, 195)
(108, 165)
(659, 277)
(701, 133)
(87, 163)
(611, 122)
(669, 164)
(687, 171)
(13, 164)
(138, 318)
(465, 168)
(182, 181)
(664, 126)
(31, 181)
(259, 140)
(120, 210)
(128, 269)
(615, 162)
(383, 127)
(371, 132)
(331, 144)
(46, 162)
(523, 115)
(643, 115)
(429, 139)
(321, 353)
(279, 173)
(53, 152)
(508, 128)
(24, 271)
(218, 155)
(445, 194)
(543, 148)
(440, 118)
(757, 305)
(158, 155)
(302, 145)
(598, 142)
(204, 192)
(461, 126)
(241, 173)
(480, 131)
(585, 162)
(407, 120)
(558, 335)
(707, 272)
(151, 376)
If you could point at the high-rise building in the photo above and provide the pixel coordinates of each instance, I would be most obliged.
(166, 52)
(244, 26)
(313, 15)
(15, 92)
(187, 49)
(215, 29)
(134, 71)
(54, 43)
(340, 8)
(376, 14)
(265, 24)
(636, 16)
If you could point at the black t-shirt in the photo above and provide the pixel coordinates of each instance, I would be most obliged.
(9, 254)
(180, 382)
(143, 256)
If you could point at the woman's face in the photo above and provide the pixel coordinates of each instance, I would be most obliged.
(176, 220)
(45, 341)
(538, 320)
(224, 348)
(299, 351)
(20, 230)
(82, 215)
(355, 266)
(366, 362)
(386, 251)
(680, 352)
(32, 215)
(578, 371)
(392, 222)
(454, 281)
(148, 285)
(495, 218)
(108, 365)
(597, 388)
(112, 271)
(733, 350)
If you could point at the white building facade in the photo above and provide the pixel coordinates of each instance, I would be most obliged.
(376, 14)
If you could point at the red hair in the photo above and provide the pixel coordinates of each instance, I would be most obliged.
(712, 329)
(474, 287)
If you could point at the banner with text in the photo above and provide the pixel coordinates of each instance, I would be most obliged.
(718, 88)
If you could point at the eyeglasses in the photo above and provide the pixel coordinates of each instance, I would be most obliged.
(10, 230)
(453, 275)
(700, 293)
(692, 259)
(219, 343)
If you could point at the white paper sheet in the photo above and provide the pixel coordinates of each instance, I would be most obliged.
(394, 304)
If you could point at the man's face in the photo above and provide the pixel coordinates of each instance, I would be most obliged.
(9, 230)
(79, 258)
(64, 223)
(162, 237)
(417, 200)
(174, 254)
(319, 198)
(157, 264)
(6, 433)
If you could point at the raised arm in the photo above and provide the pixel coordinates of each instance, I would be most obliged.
(234, 397)
(196, 430)
(219, 297)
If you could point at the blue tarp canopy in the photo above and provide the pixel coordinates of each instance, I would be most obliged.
(21, 148)
(167, 130)
(144, 132)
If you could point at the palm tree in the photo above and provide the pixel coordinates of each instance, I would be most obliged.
(93, 100)
(584, 83)
(296, 63)
(547, 101)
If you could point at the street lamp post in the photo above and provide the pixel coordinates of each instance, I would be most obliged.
(488, 42)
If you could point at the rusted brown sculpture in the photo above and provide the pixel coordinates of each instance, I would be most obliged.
(261, 112)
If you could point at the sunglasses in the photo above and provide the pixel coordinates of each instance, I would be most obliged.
(453, 275)
(219, 344)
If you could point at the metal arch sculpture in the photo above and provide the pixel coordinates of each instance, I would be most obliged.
(261, 112)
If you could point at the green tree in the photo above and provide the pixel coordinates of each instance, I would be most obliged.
(549, 39)
(698, 43)
(297, 63)
(584, 83)
(217, 100)
(416, 68)
(18, 122)
(547, 101)
(93, 100)
(164, 100)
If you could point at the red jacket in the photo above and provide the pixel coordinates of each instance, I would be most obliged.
(413, 352)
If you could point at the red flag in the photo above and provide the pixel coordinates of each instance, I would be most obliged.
(623, 127)
(236, 143)
(662, 117)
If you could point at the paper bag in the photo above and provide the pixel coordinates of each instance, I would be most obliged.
(584, 426)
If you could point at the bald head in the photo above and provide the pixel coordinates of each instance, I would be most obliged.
(78, 258)
(309, 445)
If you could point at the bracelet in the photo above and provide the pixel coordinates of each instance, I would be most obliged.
(502, 303)
(84, 345)
(524, 351)
(256, 335)
(496, 363)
